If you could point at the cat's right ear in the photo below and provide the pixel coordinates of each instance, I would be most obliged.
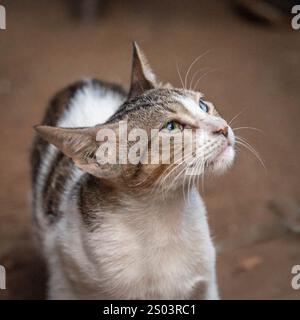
(142, 76)
(82, 145)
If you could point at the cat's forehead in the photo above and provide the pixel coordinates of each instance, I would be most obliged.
(170, 95)
(178, 101)
(160, 100)
(165, 98)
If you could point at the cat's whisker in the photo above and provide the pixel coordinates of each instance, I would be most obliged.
(247, 142)
(246, 145)
(173, 168)
(200, 166)
(250, 128)
(163, 179)
(236, 116)
(193, 175)
(170, 168)
(194, 76)
(250, 146)
(185, 158)
(197, 168)
(191, 66)
(171, 183)
(179, 74)
(203, 175)
(186, 162)
(202, 76)
(183, 186)
(254, 153)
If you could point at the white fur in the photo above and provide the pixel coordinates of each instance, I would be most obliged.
(90, 106)
(191, 105)
(134, 256)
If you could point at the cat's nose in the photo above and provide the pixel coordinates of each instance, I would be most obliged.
(223, 131)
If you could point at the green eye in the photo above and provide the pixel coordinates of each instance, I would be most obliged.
(172, 126)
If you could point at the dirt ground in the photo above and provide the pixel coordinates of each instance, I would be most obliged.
(255, 69)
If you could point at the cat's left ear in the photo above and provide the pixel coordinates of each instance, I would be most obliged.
(142, 76)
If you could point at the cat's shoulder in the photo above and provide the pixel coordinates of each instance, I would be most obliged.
(84, 103)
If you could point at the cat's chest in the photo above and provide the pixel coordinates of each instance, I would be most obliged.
(153, 258)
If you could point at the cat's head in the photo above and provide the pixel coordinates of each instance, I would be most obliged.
(158, 137)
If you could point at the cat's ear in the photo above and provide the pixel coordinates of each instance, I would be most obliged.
(82, 145)
(142, 76)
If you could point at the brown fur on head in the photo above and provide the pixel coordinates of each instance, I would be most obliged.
(150, 106)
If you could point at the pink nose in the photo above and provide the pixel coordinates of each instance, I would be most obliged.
(223, 131)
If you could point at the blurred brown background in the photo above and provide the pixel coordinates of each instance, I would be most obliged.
(253, 213)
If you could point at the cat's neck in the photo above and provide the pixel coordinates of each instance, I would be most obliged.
(97, 194)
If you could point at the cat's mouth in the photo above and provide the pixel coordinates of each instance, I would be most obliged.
(219, 151)
(223, 158)
(222, 153)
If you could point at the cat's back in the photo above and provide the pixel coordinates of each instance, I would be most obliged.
(82, 104)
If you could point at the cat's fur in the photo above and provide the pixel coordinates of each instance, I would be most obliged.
(103, 232)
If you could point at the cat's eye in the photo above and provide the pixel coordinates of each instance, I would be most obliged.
(172, 126)
(203, 106)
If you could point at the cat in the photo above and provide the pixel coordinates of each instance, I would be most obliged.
(125, 230)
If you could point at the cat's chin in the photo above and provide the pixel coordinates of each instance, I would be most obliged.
(223, 160)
